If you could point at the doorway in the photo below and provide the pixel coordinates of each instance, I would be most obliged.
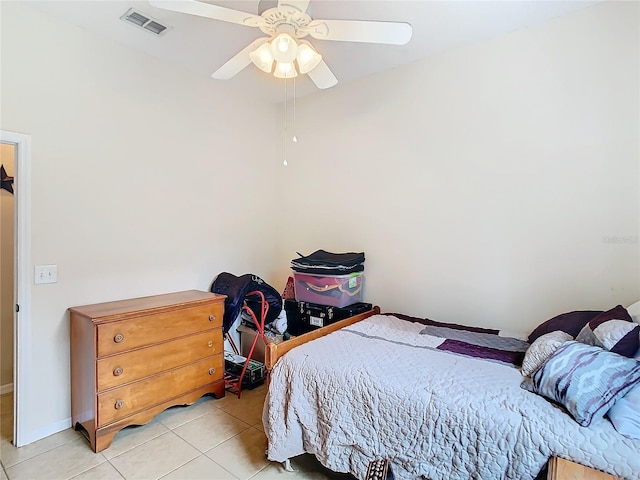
(17, 147)
(7, 302)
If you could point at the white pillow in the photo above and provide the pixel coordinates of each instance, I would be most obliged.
(634, 311)
(625, 414)
(541, 349)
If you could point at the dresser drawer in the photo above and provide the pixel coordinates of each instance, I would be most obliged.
(128, 399)
(116, 337)
(127, 367)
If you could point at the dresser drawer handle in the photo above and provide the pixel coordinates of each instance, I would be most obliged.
(210, 343)
(212, 317)
(117, 371)
(212, 371)
(118, 338)
(119, 404)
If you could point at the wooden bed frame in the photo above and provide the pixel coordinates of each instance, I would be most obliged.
(273, 351)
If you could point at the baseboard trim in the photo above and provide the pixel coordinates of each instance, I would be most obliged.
(8, 388)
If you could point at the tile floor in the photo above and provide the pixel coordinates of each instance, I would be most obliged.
(213, 439)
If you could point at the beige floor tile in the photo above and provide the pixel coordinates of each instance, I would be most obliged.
(211, 429)
(131, 437)
(247, 408)
(274, 471)
(155, 458)
(176, 416)
(200, 468)
(259, 426)
(5, 449)
(11, 455)
(232, 398)
(62, 462)
(243, 455)
(104, 471)
(3, 476)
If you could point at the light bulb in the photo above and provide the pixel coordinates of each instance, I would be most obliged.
(295, 139)
(284, 48)
(283, 44)
(285, 70)
(285, 162)
(262, 58)
(307, 58)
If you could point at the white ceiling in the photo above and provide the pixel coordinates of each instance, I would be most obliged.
(202, 45)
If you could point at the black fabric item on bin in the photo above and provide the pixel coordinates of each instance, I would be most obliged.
(322, 257)
(317, 270)
(237, 288)
(323, 262)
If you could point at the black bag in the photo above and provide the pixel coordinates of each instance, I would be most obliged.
(236, 290)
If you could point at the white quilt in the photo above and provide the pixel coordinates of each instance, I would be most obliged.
(354, 395)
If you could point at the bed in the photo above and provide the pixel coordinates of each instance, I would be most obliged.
(387, 386)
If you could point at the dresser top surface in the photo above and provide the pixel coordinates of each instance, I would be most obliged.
(155, 302)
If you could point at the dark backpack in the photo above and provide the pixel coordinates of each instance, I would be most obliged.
(237, 288)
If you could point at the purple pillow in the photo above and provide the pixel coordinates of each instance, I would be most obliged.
(616, 313)
(571, 323)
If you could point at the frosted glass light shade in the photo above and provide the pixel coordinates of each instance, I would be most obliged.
(284, 48)
(262, 58)
(285, 70)
(307, 58)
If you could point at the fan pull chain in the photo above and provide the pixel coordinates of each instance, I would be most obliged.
(285, 124)
(294, 139)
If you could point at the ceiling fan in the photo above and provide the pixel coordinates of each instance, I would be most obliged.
(283, 52)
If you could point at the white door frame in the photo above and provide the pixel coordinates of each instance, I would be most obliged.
(22, 285)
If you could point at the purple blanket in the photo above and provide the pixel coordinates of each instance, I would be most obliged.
(474, 342)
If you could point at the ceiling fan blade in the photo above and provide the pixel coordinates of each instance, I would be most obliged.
(238, 62)
(299, 4)
(201, 9)
(322, 76)
(394, 33)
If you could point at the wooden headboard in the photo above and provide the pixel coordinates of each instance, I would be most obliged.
(273, 351)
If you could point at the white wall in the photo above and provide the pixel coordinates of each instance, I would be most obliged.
(496, 184)
(143, 181)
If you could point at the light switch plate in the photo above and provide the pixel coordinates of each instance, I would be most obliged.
(46, 274)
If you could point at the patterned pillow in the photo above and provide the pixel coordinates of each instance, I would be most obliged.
(612, 330)
(540, 350)
(586, 380)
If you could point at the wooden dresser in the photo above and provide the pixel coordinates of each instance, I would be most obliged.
(132, 359)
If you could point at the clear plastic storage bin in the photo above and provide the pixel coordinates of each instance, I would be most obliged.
(335, 290)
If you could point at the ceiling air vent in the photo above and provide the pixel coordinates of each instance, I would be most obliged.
(143, 21)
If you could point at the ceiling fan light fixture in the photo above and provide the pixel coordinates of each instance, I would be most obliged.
(307, 58)
(262, 58)
(284, 48)
(285, 70)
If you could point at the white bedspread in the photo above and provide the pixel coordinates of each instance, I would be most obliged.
(353, 396)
